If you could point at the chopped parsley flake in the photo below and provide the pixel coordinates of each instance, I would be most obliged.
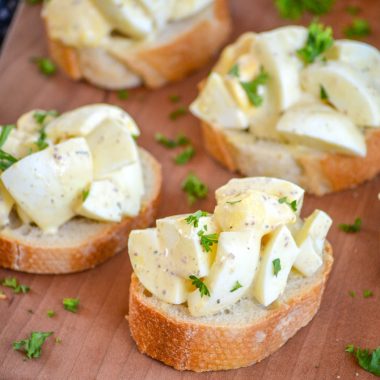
(367, 293)
(51, 313)
(6, 159)
(351, 228)
(71, 304)
(194, 218)
(199, 284)
(46, 66)
(181, 140)
(123, 94)
(207, 241)
(370, 361)
(32, 346)
(174, 98)
(234, 71)
(292, 205)
(323, 93)
(276, 266)
(251, 88)
(294, 9)
(12, 283)
(180, 111)
(359, 28)
(194, 188)
(237, 286)
(85, 194)
(319, 39)
(185, 156)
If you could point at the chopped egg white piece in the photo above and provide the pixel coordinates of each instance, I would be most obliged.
(308, 260)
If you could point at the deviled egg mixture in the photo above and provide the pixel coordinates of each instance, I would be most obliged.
(82, 163)
(247, 248)
(297, 87)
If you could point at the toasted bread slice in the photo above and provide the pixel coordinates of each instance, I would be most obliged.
(80, 243)
(317, 172)
(243, 334)
(182, 47)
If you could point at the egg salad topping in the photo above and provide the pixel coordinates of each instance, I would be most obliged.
(82, 163)
(296, 86)
(246, 248)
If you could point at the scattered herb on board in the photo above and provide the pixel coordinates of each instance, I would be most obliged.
(12, 283)
(323, 93)
(367, 293)
(292, 205)
(71, 304)
(32, 345)
(276, 266)
(207, 240)
(351, 228)
(51, 313)
(237, 286)
(194, 218)
(251, 88)
(370, 361)
(123, 94)
(294, 9)
(352, 293)
(199, 284)
(353, 10)
(319, 39)
(185, 156)
(194, 188)
(174, 98)
(45, 65)
(181, 140)
(359, 28)
(6, 159)
(179, 112)
(234, 71)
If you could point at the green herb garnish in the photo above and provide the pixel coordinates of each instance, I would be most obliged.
(294, 9)
(71, 304)
(367, 293)
(359, 28)
(292, 205)
(32, 346)
(370, 361)
(351, 228)
(237, 286)
(199, 284)
(323, 93)
(185, 156)
(180, 111)
(40, 116)
(6, 159)
(234, 71)
(170, 143)
(85, 194)
(207, 241)
(319, 39)
(12, 283)
(46, 66)
(251, 88)
(123, 94)
(353, 10)
(194, 188)
(352, 294)
(194, 218)
(51, 313)
(174, 98)
(276, 266)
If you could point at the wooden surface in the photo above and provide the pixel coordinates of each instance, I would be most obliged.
(96, 341)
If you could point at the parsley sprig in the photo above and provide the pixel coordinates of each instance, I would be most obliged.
(359, 28)
(207, 240)
(177, 113)
(234, 71)
(370, 361)
(194, 218)
(194, 188)
(12, 283)
(45, 65)
(251, 88)
(180, 140)
(276, 266)
(32, 345)
(185, 156)
(294, 9)
(292, 204)
(236, 286)
(71, 304)
(40, 118)
(6, 159)
(123, 94)
(200, 285)
(319, 39)
(351, 228)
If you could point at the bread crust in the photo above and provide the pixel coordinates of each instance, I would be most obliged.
(199, 347)
(321, 173)
(165, 63)
(112, 239)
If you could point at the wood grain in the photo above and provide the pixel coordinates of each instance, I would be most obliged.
(96, 341)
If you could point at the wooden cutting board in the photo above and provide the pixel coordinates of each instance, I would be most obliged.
(96, 342)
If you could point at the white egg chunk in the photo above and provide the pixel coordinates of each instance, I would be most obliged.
(215, 105)
(308, 260)
(181, 243)
(83, 120)
(277, 260)
(112, 147)
(320, 126)
(361, 56)
(316, 227)
(129, 180)
(76, 23)
(277, 52)
(159, 10)
(147, 263)
(272, 186)
(185, 8)
(127, 16)
(103, 201)
(231, 274)
(47, 184)
(6, 204)
(350, 91)
(252, 210)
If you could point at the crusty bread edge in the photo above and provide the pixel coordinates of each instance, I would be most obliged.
(203, 347)
(166, 63)
(322, 174)
(112, 239)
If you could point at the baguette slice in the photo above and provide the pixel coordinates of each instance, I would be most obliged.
(317, 172)
(80, 243)
(242, 335)
(181, 48)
